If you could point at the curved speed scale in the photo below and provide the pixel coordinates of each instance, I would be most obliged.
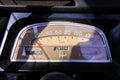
(60, 42)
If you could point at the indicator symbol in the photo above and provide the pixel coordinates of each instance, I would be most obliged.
(62, 55)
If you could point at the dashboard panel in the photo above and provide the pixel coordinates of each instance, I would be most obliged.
(60, 41)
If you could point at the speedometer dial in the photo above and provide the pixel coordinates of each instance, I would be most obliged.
(61, 42)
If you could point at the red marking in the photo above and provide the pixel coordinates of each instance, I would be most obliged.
(37, 43)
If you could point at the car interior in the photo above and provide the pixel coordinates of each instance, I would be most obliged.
(59, 39)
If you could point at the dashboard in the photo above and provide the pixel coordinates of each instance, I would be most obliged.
(61, 41)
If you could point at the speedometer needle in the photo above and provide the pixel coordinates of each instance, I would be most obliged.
(37, 43)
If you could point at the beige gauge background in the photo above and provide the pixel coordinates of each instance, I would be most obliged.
(59, 42)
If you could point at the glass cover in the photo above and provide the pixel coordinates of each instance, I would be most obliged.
(60, 41)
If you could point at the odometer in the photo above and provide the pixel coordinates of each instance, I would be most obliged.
(61, 42)
(61, 48)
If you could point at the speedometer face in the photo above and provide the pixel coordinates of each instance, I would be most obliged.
(60, 42)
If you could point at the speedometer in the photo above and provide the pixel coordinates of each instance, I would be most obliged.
(60, 41)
